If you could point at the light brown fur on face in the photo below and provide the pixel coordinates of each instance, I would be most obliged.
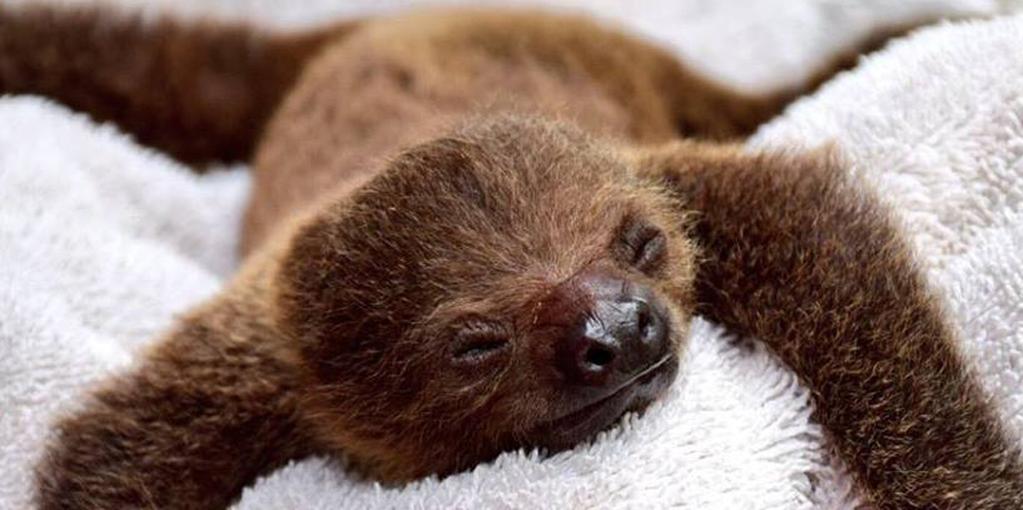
(476, 231)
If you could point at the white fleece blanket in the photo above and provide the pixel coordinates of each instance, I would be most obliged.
(102, 242)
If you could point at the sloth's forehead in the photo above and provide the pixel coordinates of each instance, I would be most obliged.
(500, 225)
(486, 254)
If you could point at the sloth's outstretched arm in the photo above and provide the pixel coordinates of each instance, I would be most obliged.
(803, 259)
(199, 90)
(201, 418)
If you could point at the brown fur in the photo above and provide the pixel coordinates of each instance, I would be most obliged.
(413, 183)
(802, 258)
(200, 91)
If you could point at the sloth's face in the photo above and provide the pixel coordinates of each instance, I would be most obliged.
(512, 287)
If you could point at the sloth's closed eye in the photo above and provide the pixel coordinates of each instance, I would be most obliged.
(644, 245)
(478, 343)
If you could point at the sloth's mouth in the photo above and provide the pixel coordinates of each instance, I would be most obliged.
(633, 395)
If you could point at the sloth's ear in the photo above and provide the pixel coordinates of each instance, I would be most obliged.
(350, 255)
(335, 295)
(311, 281)
(347, 261)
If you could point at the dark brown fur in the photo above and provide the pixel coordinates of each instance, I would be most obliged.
(413, 177)
(840, 299)
(199, 91)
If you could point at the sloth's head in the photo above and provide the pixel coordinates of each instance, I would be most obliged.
(513, 285)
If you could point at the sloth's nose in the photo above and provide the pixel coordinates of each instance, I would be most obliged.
(621, 333)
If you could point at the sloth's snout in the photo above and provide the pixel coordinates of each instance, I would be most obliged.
(613, 352)
(620, 331)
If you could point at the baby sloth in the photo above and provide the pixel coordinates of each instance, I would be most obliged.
(472, 232)
(511, 284)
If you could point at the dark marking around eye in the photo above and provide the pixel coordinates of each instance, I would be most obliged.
(480, 349)
(478, 343)
(644, 245)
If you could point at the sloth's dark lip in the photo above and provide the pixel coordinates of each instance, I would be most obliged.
(643, 377)
(583, 422)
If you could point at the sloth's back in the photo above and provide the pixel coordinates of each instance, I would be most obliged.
(401, 81)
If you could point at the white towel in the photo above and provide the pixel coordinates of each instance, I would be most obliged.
(103, 242)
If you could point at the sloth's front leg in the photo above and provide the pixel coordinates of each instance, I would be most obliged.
(801, 257)
(208, 410)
